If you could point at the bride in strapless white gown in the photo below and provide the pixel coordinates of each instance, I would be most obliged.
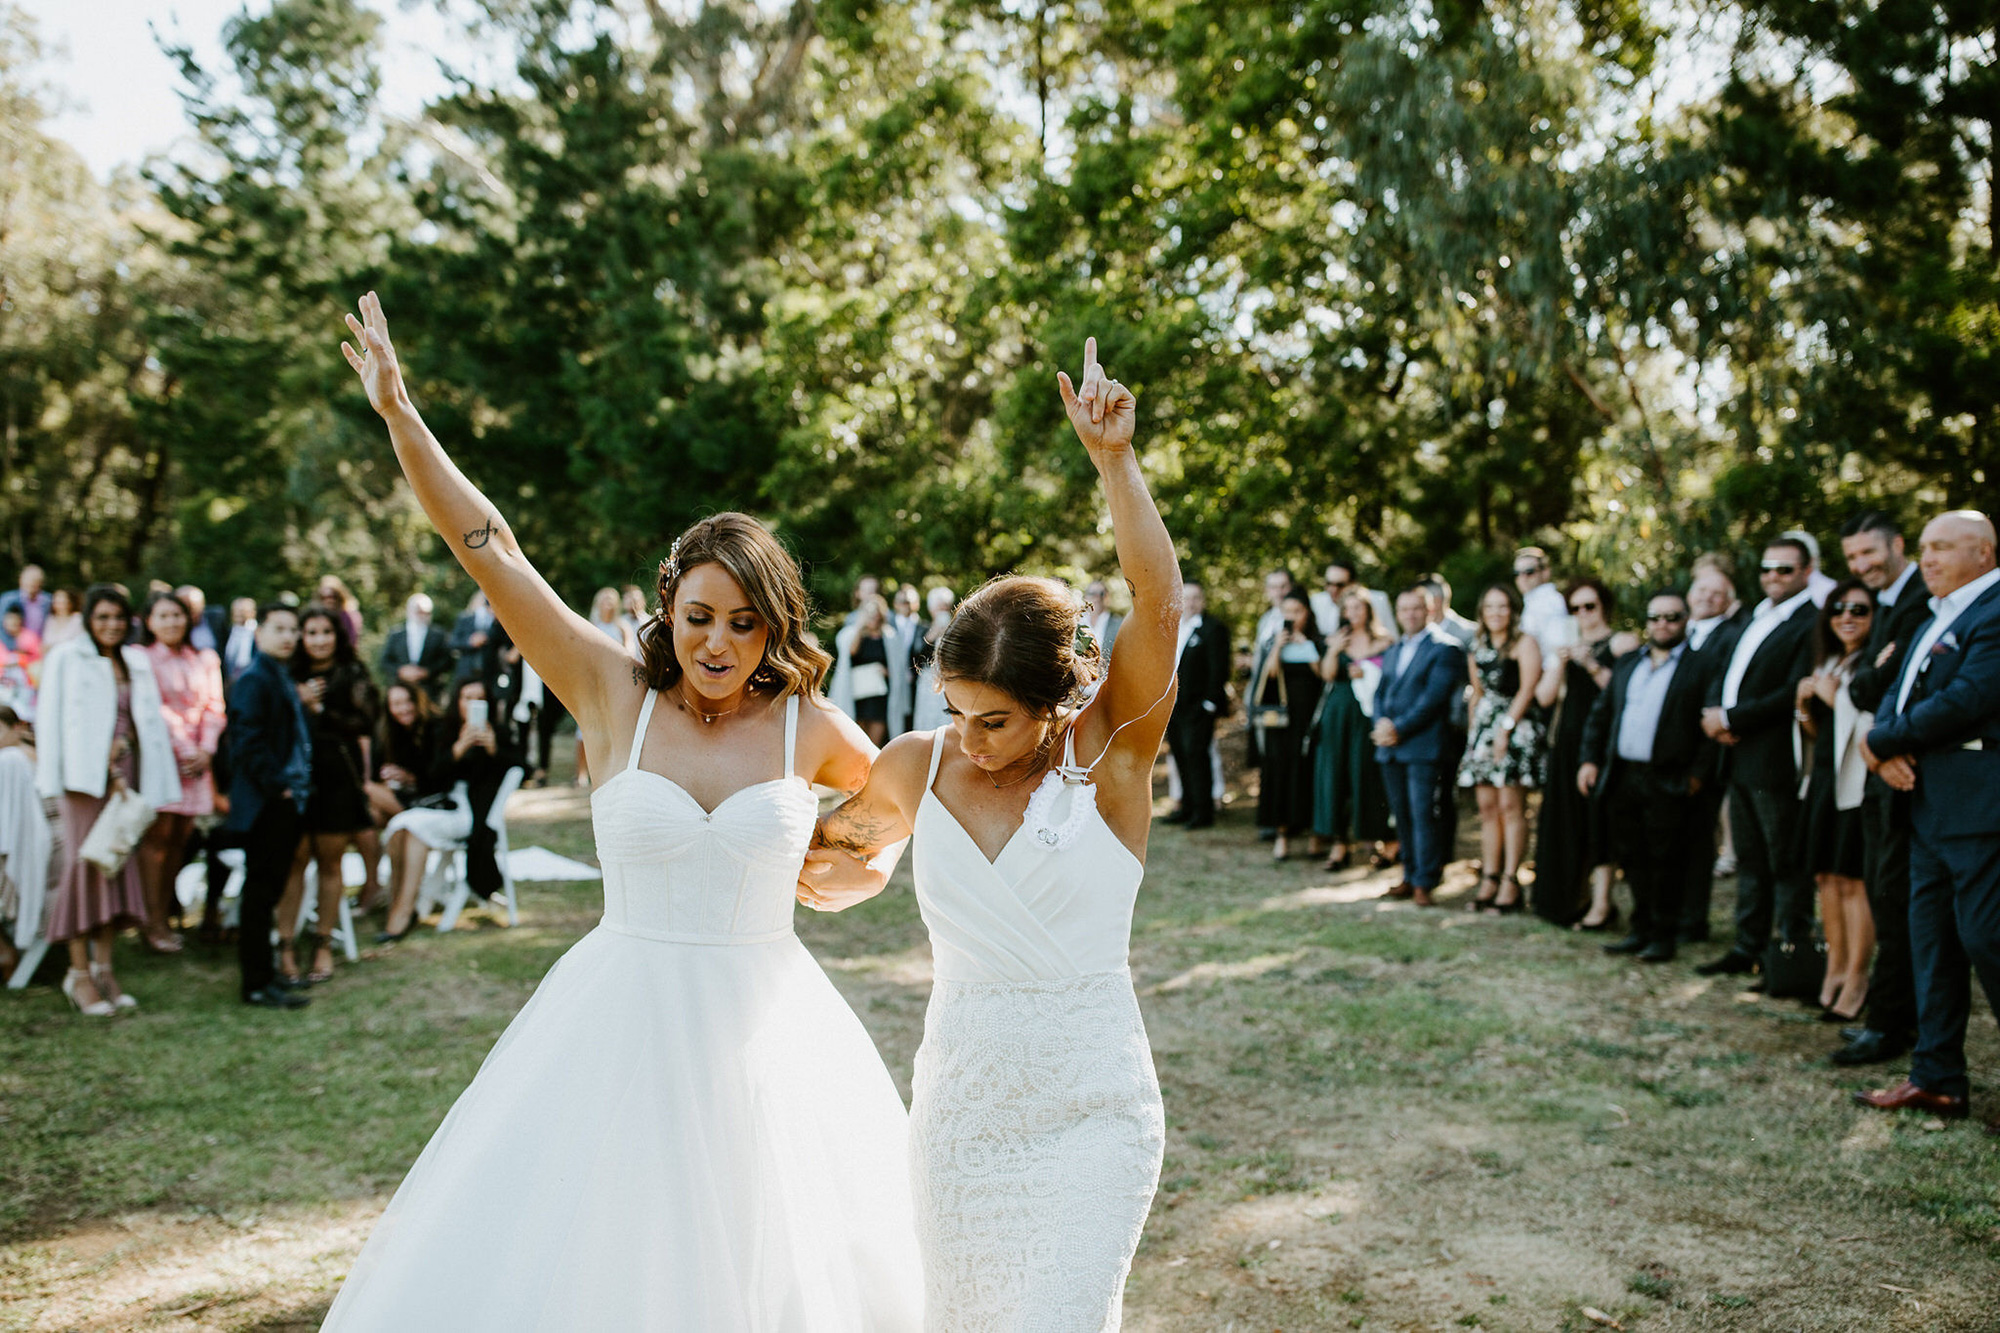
(686, 1128)
(1036, 1122)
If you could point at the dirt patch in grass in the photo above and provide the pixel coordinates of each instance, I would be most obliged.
(1379, 1118)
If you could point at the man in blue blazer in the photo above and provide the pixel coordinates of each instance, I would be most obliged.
(270, 777)
(1937, 736)
(1419, 677)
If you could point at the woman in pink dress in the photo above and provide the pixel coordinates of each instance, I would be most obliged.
(191, 698)
(99, 728)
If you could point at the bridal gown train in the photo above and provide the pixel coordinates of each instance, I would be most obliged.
(1036, 1129)
(685, 1129)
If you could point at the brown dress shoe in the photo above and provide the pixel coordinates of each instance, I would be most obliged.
(1907, 1096)
(1421, 897)
(1403, 890)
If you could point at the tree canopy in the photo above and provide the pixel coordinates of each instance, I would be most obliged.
(1413, 281)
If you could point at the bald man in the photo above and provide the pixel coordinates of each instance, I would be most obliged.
(1937, 736)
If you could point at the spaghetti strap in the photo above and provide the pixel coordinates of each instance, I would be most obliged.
(791, 731)
(937, 753)
(639, 732)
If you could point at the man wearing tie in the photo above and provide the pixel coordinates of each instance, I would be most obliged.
(1643, 741)
(417, 652)
(900, 636)
(1419, 677)
(1873, 549)
(1715, 622)
(1750, 713)
(1204, 693)
(1937, 737)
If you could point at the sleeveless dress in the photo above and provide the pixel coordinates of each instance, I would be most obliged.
(685, 1129)
(1036, 1129)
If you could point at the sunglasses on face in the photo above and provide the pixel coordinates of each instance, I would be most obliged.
(1852, 609)
(1776, 567)
(1520, 570)
(1586, 606)
(1666, 618)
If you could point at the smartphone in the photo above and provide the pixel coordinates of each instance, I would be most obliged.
(475, 712)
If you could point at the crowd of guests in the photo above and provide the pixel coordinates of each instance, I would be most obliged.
(1839, 732)
(136, 739)
(1842, 733)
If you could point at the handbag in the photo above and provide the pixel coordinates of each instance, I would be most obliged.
(1794, 971)
(1277, 716)
(120, 824)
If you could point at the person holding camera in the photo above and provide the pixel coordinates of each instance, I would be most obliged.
(477, 751)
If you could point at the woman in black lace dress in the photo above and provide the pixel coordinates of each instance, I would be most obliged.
(340, 704)
(1572, 860)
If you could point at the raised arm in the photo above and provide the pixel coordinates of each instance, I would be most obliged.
(581, 665)
(1141, 675)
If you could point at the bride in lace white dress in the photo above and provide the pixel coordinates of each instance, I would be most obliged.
(1036, 1123)
(686, 1128)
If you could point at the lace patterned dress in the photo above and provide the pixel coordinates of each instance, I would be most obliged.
(686, 1129)
(1036, 1129)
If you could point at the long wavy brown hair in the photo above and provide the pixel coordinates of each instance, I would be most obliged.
(769, 577)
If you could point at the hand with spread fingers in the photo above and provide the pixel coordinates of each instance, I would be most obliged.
(1102, 410)
(376, 363)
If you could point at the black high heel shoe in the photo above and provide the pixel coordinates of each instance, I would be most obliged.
(1483, 900)
(1498, 908)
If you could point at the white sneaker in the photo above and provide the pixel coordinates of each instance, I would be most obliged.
(1725, 866)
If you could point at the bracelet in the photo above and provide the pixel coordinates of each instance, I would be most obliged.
(1508, 722)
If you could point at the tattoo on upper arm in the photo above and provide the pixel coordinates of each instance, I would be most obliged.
(856, 831)
(478, 537)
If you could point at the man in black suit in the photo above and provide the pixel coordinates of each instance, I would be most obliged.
(1715, 623)
(474, 641)
(1937, 738)
(270, 778)
(1874, 552)
(1204, 694)
(1643, 740)
(417, 652)
(1749, 711)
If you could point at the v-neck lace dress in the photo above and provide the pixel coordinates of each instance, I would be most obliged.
(685, 1129)
(1036, 1129)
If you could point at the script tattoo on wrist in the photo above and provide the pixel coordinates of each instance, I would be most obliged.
(478, 537)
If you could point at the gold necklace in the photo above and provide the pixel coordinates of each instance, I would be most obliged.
(998, 785)
(708, 719)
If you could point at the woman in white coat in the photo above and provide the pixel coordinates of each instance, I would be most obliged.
(100, 727)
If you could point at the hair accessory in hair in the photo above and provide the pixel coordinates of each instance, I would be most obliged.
(1086, 642)
(670, 569)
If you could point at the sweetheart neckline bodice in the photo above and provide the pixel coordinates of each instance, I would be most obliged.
(607, 784)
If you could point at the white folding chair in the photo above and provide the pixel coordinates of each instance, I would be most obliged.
(343, 933)
(445, 887)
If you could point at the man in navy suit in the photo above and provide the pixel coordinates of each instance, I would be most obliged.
(1419, 677)
(270, 778)
(1937, 736)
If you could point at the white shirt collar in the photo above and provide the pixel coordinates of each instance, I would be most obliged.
(1782, 609)
(1956, 601)
(1894, 592)
(416, 629)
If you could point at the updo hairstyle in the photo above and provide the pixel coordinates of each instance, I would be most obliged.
(1019, 635)
(769, 577)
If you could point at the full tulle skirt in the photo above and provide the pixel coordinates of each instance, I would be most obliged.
(670, 1136)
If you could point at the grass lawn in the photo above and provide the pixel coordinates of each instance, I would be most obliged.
(1379, 1118)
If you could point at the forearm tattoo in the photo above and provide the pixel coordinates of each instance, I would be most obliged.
(855, 832)
(478, 537)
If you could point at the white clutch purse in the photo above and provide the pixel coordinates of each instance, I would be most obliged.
(123, 821)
